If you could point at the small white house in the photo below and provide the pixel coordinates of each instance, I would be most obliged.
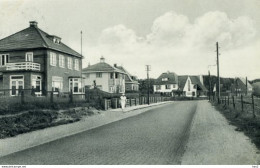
(166, 83)
(105, 77)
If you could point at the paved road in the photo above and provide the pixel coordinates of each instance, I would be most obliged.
(157, 136)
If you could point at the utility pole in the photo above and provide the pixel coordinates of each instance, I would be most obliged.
(218, 89)
(148, 68)
(246, 86)
(81, 62)
(209, 86)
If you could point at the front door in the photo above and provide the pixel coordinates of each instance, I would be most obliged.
(17, 85)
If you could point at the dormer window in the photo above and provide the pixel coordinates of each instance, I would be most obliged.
(55, 39)
(164, 79)
(29, 57)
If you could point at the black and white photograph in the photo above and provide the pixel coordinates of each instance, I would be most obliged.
(129, 82)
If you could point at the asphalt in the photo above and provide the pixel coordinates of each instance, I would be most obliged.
(157, 136)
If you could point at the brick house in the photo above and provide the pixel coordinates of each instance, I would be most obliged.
(131, 83)
(105, 77)
(31, 58)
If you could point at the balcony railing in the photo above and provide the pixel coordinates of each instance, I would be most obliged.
(23, 66)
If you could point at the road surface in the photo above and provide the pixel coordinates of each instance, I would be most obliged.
(157, 136)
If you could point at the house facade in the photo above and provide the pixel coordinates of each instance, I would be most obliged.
(241, 86)
(192, 86)
(131, 83)
(32, 59)
(105, 77)
(166, 83)
(189, 86)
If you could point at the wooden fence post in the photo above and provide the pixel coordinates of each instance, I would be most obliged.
(253, 106)
(242, 105)
(22, 97)
(71, 97)
(234, 106)
(225, 100)
(228, 100)
(51, 96)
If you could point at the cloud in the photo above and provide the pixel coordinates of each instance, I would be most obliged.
(177, 44)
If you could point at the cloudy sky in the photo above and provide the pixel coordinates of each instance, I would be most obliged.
(170, 35)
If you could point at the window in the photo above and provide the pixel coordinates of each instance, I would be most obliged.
(53, 60)
(76, 64)
(16, 84)
(158, 87)
(29, 57)
(188, 85)
(111, 75)
(62, 61)
(99, 74)
(4, 59)
(37, 83)
(167, 86)
(87, 75)
(69, 63)
(174, 85)
(116, 75)
(57, 83)
(164, 79)
(75, 85)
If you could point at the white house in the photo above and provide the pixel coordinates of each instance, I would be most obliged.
(166, 83)
(105, 77)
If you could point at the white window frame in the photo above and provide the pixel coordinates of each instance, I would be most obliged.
(36, 78)
(53, 59)
(98, 74)
(10, 86)
(70, 63)
(76, 64)
(62, 61)
(29, 57)
(6, 59)
(165, 79)
(72, 82)
(57, 79)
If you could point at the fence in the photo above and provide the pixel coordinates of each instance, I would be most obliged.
(247, 104)
(115, 102)
(28, 96)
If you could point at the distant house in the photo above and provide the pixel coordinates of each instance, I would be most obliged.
(131, 83)
(241, 87)
(192, 86)
(166, 83)
(33, 59)
(105, 77)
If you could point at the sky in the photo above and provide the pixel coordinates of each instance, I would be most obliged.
(170, 35)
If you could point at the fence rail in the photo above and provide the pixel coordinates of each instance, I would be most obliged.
(244, 104)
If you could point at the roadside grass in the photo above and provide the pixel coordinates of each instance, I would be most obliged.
(39, 119)
(244, 122)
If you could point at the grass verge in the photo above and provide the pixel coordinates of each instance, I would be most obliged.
(244, 122)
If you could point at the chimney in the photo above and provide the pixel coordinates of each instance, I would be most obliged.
(201, 79)
(115, 65)
(102, 59)
(33, 24)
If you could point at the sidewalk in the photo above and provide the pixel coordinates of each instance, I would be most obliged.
(35, 138)
(213, 141)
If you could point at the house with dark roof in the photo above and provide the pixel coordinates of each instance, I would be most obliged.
(106, 77)
(33, 59)
(192, 86)
(166, 83)
(241, 86)
(131, 83)
(189, 86)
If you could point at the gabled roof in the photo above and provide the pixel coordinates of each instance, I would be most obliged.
(31, 38)
(243, 80)
(129, 78)
(101, 67)
(181, 81)
(196, 81)
(171, 76)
